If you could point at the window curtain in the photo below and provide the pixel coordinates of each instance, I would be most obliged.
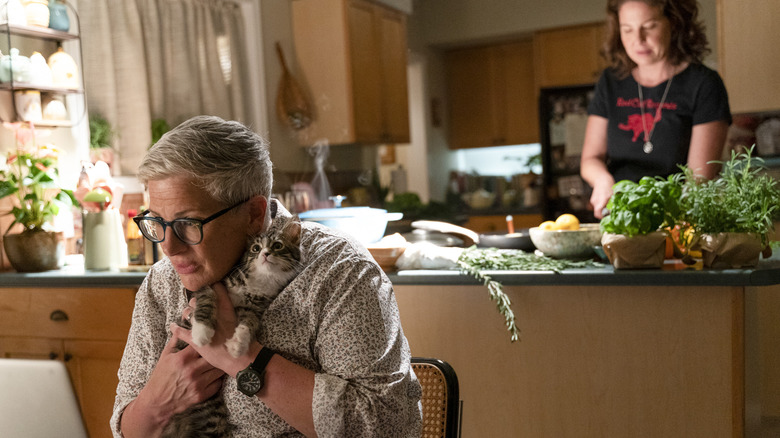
(169, 59)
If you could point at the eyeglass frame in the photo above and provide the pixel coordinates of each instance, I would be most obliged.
(165, 224)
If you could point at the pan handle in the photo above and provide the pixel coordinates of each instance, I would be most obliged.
(469, 237)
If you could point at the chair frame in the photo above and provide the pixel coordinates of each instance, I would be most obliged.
(453, 403)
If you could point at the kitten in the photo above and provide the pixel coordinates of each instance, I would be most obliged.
(271, 261)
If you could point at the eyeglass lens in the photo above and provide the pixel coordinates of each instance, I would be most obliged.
(188, 231)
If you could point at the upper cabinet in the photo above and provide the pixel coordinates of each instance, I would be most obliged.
(491, 95)
(569, 56)
(748, 54)
(352, 57)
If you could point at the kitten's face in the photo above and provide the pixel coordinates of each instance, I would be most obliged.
(277, 251)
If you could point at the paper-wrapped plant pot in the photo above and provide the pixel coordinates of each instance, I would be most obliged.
(644, 251)
(730, 250)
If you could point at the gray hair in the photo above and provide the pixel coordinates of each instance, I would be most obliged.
(226, 159)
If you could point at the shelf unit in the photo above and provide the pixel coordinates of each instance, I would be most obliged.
(8, 89)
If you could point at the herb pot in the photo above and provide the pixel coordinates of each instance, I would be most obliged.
(730, 250)
(643, 251)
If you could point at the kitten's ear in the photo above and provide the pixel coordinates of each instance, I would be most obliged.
(293, 230)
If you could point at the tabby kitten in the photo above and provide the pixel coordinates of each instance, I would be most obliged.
(271, 261)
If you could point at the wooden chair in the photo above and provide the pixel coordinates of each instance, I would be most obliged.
(441, 405)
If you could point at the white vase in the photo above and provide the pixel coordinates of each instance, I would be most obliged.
(104, 241)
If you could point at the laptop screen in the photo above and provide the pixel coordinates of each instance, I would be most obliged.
(37, 400)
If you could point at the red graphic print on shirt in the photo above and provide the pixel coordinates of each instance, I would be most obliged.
(635, 124)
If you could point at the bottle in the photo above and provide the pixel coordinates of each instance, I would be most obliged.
(135, 241)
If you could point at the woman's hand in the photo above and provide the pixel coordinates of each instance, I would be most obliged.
(179, 380)
(215, 352)
(599, 198)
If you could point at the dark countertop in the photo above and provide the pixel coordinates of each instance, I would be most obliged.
(674, 273)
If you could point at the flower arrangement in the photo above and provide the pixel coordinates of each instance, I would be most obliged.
(30, 174)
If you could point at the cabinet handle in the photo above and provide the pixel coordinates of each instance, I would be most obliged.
(67, 357)
(53, 355)
(59, 316)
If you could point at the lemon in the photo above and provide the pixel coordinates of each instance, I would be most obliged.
(567, 221)
(548, 226)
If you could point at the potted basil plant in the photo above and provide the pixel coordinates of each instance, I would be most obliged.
(733, 215)
(638, 213)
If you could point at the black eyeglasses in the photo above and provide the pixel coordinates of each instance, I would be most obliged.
(188, 230)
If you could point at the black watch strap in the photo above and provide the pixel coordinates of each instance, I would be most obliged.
(262, 359)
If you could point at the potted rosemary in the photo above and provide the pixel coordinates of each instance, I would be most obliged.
(31, 178)
(732, 216)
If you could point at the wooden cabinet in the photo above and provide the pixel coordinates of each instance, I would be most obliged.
(569, 56)
(352, 56)
(748, 55)
(497, 223)
(85, 328)
(491, 95)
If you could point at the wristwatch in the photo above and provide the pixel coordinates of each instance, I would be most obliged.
(252, 379)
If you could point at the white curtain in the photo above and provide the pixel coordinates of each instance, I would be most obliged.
(170, 59)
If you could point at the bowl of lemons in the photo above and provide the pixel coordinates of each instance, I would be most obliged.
(566, 238)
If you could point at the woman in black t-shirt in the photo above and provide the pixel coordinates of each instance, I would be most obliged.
(657, 106)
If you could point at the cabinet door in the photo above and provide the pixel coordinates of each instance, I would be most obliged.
(492, 96)
(471, 86)
(519, 112)
(569, 56)
(14, 347)
(748, 54)
(366, 72)
(395, 102)
(93, 369)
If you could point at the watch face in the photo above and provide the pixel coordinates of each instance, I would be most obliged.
(249, 381)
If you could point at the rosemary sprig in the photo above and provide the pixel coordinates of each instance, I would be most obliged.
(474, 261)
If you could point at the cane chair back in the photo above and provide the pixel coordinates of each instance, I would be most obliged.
(440, 398)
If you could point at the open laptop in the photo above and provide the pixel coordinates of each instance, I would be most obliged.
(37, 400)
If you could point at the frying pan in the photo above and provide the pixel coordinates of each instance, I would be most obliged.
(517, 240)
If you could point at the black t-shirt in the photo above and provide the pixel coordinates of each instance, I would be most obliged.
(696, 95)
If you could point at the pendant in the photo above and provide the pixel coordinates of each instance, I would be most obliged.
(648, 147)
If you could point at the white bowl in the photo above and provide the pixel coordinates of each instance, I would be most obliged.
(567, 244)
(365, 224)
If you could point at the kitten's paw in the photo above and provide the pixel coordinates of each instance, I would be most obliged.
(201, 333)
(239, 343)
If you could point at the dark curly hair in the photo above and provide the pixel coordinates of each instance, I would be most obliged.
(688, 41)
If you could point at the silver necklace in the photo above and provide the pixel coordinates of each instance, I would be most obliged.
(648, 146)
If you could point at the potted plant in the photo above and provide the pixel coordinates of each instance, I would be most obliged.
(31, 176)
(732, 216)
(638, 213)
(100, 136)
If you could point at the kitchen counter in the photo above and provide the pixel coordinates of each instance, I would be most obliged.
(677, 352)
(674, 273)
